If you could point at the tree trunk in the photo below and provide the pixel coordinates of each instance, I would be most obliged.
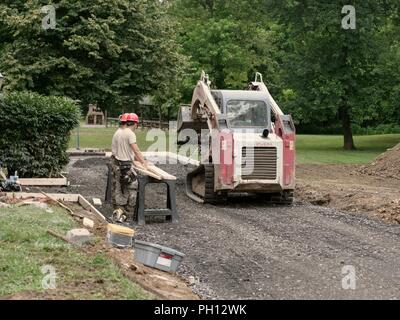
(347, 131)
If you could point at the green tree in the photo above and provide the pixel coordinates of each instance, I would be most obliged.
(329, 73)
(111, 52)
(388, 71)
(230, 40)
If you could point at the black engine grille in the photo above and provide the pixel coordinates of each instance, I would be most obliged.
(259, 163)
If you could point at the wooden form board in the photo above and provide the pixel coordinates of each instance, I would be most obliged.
(77, 198)
(87, 206)
(160, 172)
(63, 181)
(141, 169)
(55, 196)
(154, 172)
(165, 155)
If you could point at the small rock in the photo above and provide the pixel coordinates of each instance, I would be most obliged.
(4, 205)
(79, 236)
(133, 267)
(192, 280)
(97, 202)
(88, 223)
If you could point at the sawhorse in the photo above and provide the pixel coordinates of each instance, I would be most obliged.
(170, 213)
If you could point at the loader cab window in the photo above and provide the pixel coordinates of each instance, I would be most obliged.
(248, 114)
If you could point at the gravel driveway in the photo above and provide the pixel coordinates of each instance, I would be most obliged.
(248, 249)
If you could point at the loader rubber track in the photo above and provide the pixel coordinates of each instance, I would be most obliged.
(284, 198)
(210, 195)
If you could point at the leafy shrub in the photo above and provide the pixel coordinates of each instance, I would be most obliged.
(34, 133)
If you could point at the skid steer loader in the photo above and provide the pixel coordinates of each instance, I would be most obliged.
(246, 142)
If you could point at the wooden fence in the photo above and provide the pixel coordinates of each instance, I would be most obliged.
(114, 123)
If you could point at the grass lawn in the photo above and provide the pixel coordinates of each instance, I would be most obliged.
(25, 248)
(310, 148)
(328, 149)
(101, 138)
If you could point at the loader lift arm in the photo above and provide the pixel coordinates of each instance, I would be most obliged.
(203, 113)
(260, 86)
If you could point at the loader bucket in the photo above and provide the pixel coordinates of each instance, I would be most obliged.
(195, 184)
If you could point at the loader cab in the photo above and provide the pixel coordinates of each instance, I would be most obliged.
(244, 110)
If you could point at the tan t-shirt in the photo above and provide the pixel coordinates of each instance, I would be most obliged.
(121, 144)
(114, 142)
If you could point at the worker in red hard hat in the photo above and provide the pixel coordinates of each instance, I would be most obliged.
(125, 152)
(132, 123)
(122, 119)
(133, 117)
(115, 183)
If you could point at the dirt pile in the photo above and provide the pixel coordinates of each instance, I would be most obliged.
(387, 165)
(341, 187)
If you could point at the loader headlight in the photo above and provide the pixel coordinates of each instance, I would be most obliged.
(265, 133)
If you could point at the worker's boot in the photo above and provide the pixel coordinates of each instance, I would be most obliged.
(119, 215)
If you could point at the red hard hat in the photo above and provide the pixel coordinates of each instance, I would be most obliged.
(124, 117)
(132, 117)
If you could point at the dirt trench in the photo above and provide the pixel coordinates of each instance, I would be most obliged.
(247, 249)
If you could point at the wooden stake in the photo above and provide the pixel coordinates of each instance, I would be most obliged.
(59, 236)
(72, 213)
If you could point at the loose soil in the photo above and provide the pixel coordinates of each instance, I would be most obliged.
(345, 187)
(386, 165)
(249, 249)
